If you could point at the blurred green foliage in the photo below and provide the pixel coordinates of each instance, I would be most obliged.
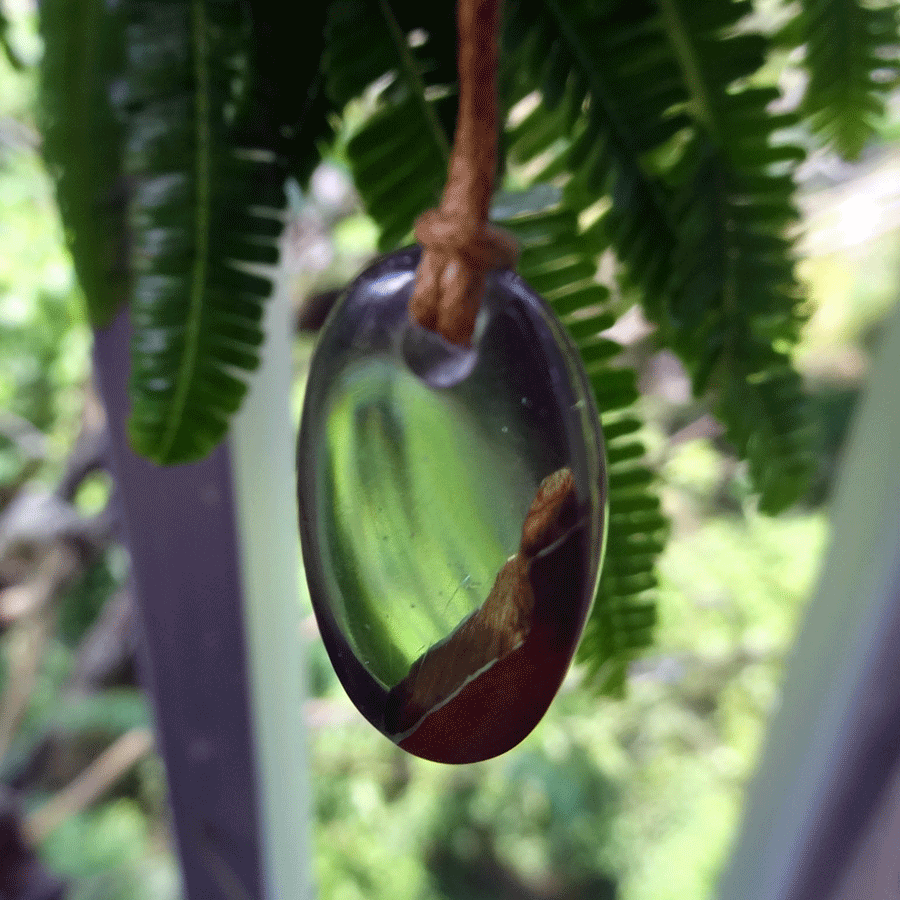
(84, 600)
(44, 341)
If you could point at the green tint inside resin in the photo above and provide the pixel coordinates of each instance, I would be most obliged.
(426, 509)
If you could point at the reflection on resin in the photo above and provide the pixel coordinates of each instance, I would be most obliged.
(452, 512)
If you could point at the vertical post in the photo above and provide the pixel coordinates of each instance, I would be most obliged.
(834, 745)
(215, 562)
(180, 527)
(262, 444)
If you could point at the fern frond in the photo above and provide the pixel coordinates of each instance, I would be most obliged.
(399, 169)
(556, 256)
(775, 425)
(649, 106)
(853, 61)
(204, 208)
(733, 295)
(608, 88)
(286, 108)
(82, 144)
(398, 156)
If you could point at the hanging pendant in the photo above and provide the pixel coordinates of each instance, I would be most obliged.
(452, 512)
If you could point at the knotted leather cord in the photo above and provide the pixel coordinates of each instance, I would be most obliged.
(459, 246)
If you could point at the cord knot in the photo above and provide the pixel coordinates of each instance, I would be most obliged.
(460, 245)
(450, 280)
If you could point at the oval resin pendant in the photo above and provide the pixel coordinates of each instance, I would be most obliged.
(452, 512)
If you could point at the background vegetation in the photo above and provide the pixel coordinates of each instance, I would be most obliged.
(635, 798)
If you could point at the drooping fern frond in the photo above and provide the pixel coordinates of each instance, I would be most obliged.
(200, 132)
(605, 76)
(399, 155)
(204, 207)
(649, 107)
(853, 61)
(83, 45)
(734, 298)
(559, 262)
(286, 108)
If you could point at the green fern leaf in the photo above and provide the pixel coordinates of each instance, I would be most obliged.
(614, 92)
(624, 612)
(399, 174)
(853, 61)
(83, 42)
(733, 294)
(648, 106)
(399, 156)
(286, 108)
(203, 209)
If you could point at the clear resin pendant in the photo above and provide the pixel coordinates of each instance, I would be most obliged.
(452, 512)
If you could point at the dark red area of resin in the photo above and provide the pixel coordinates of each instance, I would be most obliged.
(500, 708)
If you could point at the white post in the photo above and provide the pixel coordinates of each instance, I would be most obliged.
(262, 445)
(836, 737)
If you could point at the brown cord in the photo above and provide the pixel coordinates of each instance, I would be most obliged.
(459, 244)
